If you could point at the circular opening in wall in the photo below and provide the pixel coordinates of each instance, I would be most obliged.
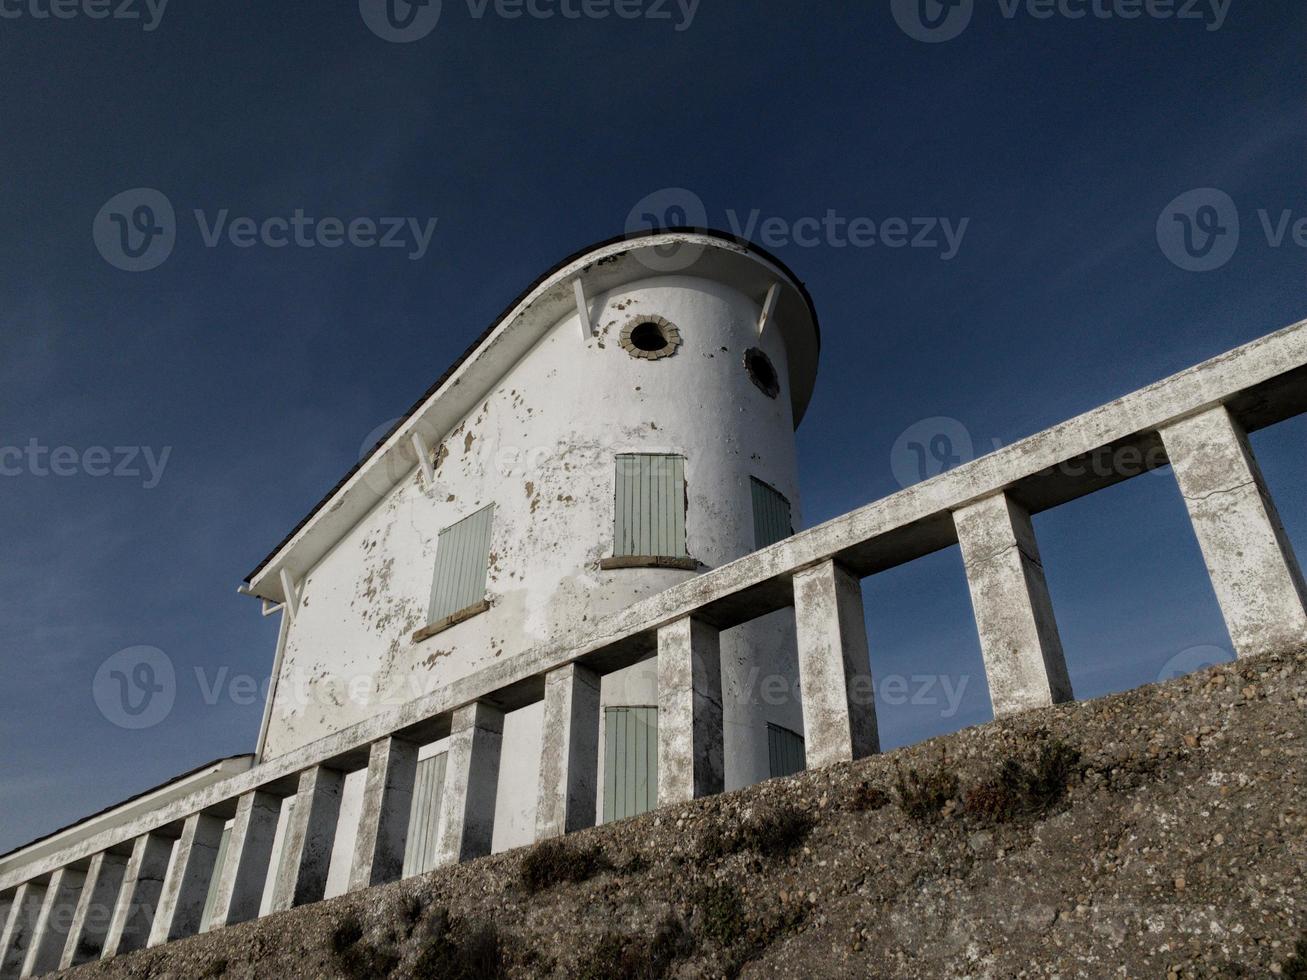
(761, 372)
(650, 338)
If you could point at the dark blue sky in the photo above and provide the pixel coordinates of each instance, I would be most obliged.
(1059, 141)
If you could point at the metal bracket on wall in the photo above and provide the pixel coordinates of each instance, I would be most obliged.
(424, 459)
(582, 310)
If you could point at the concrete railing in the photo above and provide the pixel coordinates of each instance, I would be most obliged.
(146, 881)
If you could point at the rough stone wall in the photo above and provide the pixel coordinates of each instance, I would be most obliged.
(1157, 833)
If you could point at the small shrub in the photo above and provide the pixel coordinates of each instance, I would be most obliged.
(923, 796)
(638, 864)
(410, 911)
(554, 863)
(866, 797)
(1021, 790)
(639, 958)
(770, 832)
(777, 832)
(458, 950)
(358, 958)
(722, 914)
(217, 968)
(347, 932)
(1295, 967)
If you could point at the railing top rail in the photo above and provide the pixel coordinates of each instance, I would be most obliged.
(1264, 382)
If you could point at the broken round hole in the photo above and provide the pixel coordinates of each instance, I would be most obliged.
(761, 372)
(650, 338)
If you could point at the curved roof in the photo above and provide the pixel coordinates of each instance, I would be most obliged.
(608, 265)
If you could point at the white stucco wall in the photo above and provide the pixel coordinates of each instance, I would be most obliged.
(541, 447)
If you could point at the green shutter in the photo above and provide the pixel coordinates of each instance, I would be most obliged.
(785, 751)
(650, 506)
(206, 917)
(630, 762)
(428, 791)
(771, 515)
(462, 554)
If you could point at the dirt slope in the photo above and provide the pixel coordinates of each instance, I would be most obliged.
(1156, 833)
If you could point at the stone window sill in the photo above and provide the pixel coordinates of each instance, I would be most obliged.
(649, 561)
(453, 619)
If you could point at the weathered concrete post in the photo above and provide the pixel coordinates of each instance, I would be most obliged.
(691, 759)
(1257, 579)
(246, 865)
(467, 812)
(310, 834)
(139, 896)
(569, 762)
(19, 928)
(1023, 654)
(181, 902)
(383, 825)
(839, 702)
(94, 910)
(51, 932)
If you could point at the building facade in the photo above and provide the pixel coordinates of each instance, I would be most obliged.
(626, 425)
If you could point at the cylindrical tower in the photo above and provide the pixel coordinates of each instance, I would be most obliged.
(626, 425)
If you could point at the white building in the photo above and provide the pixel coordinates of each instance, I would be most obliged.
(626, 424)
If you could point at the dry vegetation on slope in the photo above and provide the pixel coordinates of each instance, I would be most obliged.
(1156, 833)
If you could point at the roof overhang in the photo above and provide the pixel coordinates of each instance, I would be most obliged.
(601, 268)
(150, 801)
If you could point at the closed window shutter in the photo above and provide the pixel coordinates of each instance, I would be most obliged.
(771, 515)
(785, 751)
(462, 554)
(428, 792)
(206, 917)
(630, 762)
(650, 506)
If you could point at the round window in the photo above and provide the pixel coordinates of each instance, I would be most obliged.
(650, 338)
(761, 372)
